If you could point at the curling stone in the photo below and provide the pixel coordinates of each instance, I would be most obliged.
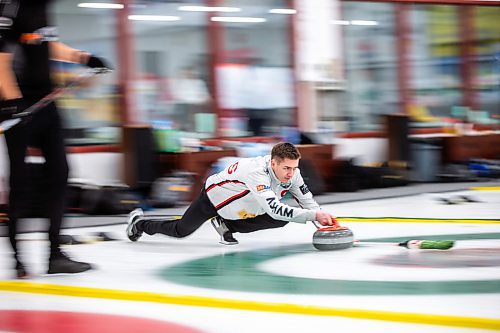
(333, 238)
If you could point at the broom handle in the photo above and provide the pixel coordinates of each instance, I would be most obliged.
(413, 244)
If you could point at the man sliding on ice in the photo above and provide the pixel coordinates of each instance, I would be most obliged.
(244, 197)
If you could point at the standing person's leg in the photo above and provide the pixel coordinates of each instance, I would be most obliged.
(200, 210)
(54, 150)
(260, 222)
(17, 142)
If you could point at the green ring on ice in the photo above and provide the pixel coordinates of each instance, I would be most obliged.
(238, 271)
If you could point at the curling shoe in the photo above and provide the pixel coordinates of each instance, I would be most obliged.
(60, 263)
(226, 236)
(133, 230)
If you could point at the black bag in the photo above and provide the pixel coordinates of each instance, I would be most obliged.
(382, 176)
(94, 199)
(346, 176)
(171, 190)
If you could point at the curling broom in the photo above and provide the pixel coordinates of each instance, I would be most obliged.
(413, 244)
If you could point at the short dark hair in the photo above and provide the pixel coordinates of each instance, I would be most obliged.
(284, 150)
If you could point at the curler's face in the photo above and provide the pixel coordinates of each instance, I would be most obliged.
(284, 169)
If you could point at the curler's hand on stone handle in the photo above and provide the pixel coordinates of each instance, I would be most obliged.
(326, 219)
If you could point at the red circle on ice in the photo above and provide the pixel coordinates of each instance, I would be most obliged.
(24, 321)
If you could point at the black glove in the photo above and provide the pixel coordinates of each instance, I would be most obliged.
(95, 62)
(9, 108)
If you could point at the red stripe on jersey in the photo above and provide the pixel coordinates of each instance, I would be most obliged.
(231, 199)
(224, 182)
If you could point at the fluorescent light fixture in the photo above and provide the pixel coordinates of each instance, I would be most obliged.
(100, 5)
(236, 19)
(209, 9)
(363, 22)
(286, 11)
(156, 18)
(340, 22)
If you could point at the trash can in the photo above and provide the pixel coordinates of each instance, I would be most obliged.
(425, 159)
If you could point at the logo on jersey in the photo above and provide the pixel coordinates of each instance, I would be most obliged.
(279, 209)
(304, 189)
(243, 214)
(283, 193)
(263, 188)
(46, 34)
(232, 168)
(5, 22)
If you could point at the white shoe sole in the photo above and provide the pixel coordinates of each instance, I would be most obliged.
(131, 218)
(223, 242)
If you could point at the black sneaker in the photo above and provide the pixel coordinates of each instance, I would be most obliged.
(133, 232)
(61, 263)
(226, 236)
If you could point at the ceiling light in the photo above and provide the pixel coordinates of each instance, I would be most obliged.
(363, 22)
(235, 19)
(209, 9)
(100, 5)
(287, 11)
(158, 18)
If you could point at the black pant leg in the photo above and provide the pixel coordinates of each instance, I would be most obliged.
(17, 141)
(259, 222)
(200, 210)
(51, 142)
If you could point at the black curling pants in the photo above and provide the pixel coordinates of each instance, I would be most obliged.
(200, 210)
(43, 130)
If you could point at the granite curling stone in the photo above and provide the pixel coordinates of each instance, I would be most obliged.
(333, 238)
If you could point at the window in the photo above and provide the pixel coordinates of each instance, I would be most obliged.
(370, 57)
(435, 59)
(89, 111)
(256, 87)
(173, 81)
(487, 63)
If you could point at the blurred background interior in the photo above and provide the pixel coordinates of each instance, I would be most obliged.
(385, 99)
(409, 90)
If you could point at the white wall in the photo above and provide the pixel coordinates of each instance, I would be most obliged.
(100, 168)
(364, 150)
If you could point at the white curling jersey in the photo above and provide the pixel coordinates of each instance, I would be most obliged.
(249, 187)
